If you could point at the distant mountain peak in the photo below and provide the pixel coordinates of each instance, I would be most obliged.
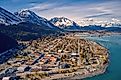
(64, 23)
(25, 13)
(62, 20)
(103, 23)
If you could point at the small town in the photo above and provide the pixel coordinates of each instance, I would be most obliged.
(60, 39)
(54, 58)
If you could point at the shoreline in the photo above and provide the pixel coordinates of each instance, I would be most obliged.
(79, 76)
(79, 72)
(96, 73)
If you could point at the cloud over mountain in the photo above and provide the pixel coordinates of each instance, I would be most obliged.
(74, 9)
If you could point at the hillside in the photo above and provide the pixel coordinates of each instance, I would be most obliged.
(8, 18)
(6, 43)
(26, 31)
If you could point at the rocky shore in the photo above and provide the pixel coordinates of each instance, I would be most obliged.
(77, 75)
(101, 71)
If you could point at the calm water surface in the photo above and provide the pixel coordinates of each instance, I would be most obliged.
(113, 43)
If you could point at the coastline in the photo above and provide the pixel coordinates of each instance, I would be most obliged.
(92, 74)
(79, 76)
(81, 72)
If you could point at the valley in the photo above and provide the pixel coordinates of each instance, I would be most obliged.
(35, 48)
(50, 57)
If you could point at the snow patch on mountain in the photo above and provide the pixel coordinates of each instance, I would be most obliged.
(8, 18)
(103, 23)
(29, 16)
(64, 23)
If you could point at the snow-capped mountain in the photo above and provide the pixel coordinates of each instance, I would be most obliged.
(102, 23)
(8, 18)
(64, 23)
(29, 16)
(113, 25)
(24, 15)
(57, 23)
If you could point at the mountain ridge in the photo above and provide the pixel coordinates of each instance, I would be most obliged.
(64, 23)
(29, 16)
(7, 17)
(54, 24)
(27, 28)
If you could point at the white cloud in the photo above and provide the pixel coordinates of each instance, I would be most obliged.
(77, 11)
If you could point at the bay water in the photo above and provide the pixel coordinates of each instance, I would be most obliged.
(113, 44)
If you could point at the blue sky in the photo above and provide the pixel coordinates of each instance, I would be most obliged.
(73, 9)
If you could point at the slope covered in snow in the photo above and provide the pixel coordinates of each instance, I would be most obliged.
(25, 25)
(29, 16)
(64, 23)
(8, 18)
(25, 15)
(103, 23)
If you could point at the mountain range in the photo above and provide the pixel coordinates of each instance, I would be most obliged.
(26, 17)
(90, 25)
(104, 23)
(7, 17)
(25, 25)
